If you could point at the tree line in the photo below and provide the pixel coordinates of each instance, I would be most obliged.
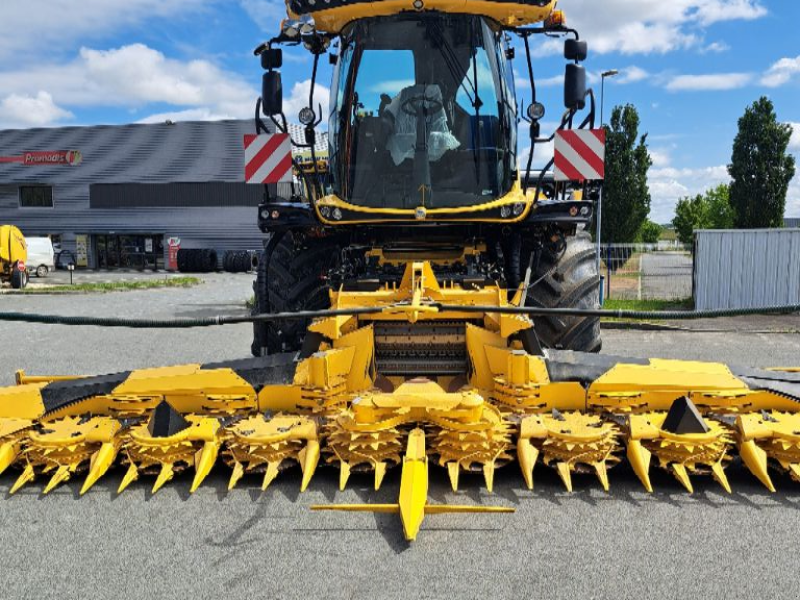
(760, 172)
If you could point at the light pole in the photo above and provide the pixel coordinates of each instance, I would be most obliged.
(603, 75)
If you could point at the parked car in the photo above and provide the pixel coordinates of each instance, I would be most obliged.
(41, 256)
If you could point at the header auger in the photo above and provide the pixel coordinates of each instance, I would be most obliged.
(353, 399)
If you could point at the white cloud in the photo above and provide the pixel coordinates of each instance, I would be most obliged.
(650, 26)
(298, 99)
(190, 114)
(632, 74)
(716, 48)
(714, 81)
(793, 198)
(794, 142)
(660, 157)
(31, 111)
(31, 30)
(668, 185)
(134, 76)
(267, 14)
(781, 72)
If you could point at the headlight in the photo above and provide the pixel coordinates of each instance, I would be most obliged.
(584, 211)
(265, 214)
(325, 211)
(505, 211)
(307, 116)
(337, 214)
(519, 208)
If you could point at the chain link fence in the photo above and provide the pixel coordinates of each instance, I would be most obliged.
(660, 271)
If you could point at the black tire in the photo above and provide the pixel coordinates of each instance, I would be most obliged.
(293, 277)
(19, 279)
(42, 271)
(226, 262)
(569, 280)
(260, 305)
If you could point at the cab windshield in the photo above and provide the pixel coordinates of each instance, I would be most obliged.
(423, 114)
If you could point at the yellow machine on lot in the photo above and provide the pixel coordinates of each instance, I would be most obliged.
(427, 353)
(13, 256)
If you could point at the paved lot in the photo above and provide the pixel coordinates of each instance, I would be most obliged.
(245, 544)
(666, 276)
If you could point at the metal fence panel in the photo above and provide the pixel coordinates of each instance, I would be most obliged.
(660, 271)
(746, 268)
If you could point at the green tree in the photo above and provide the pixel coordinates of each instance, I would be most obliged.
(760, 167)
(690, 214)
(720, 211)
(711, 210)
(650, 232)
(626, 196)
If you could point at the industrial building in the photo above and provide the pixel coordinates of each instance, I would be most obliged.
(117, 196)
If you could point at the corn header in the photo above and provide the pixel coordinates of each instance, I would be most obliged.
(429, 378)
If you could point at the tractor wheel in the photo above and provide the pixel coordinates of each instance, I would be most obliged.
(260, 306)
(19, 279)
(569, 279)
(293, 276)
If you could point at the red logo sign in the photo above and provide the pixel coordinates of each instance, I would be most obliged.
(48, 157)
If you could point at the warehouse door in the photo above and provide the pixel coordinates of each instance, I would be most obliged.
(138, 251)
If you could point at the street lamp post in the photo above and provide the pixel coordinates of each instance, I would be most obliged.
(603, 75)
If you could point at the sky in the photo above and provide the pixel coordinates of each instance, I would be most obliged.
(690, 67)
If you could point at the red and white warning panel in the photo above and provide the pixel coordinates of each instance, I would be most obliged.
(268, 158)
(580, 155)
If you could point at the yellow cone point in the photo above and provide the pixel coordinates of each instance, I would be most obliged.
(756, 461)
(101, 462)
(527, 454)
(488, 476)
(413, 485)
(131, 475)
(309, 458)
(719, 475)
(27, 475)
(602, 474)
(453, 469)
(639, 458)
(60, 476)
(794, 471)
(8, 454)
(380, 472)
(270, 474)
(164, 476)
(203, 464)
(566, 475)
(344, 475)
(238, 472)
(681, 475)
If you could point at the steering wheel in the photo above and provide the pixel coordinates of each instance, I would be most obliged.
(416, 105)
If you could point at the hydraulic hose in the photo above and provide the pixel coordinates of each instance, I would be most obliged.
(20, 317)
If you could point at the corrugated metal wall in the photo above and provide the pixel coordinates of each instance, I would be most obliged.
(185, 153)
(746, 268)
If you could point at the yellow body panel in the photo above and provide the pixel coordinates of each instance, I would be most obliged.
(507, 13)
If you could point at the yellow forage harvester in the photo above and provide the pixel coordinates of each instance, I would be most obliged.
(353, 399)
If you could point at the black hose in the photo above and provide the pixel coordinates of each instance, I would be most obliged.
(666, 315)
(372, 310)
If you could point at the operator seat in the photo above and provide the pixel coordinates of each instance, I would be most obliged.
(403, 138)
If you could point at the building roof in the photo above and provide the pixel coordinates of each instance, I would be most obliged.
(191, 151)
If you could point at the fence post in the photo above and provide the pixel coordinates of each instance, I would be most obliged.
(608, 271)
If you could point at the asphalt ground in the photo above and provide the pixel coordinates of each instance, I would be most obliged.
(666, 275)
(248, 544)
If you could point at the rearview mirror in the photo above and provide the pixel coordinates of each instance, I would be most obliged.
(575, 87)
(272, 94)
(575, 50)
(272, 58)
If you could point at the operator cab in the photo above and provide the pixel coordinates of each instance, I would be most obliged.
(424, 113)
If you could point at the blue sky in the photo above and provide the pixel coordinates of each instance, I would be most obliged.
(690, 67)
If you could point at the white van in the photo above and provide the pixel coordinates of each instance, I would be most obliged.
(41, 256)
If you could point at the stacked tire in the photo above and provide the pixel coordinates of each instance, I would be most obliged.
(197, 260)
(238, 262)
